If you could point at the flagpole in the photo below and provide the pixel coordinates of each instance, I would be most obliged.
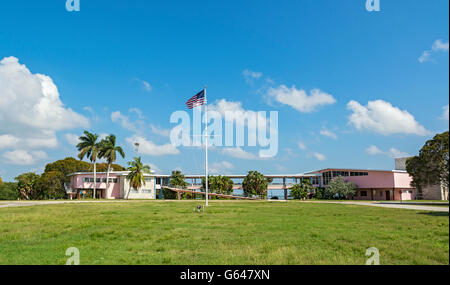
(206, 147)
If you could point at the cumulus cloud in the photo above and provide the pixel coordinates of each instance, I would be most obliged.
(31, 110)
(72, 139)
(250, 76)
(160, 131)
(233, 111)
(144, 84)
(383, 118)
(301, 145)
(138, 112)
(319, 156)
(148, 147)
(238, 152)
(327, 133)
(221, 167)
(392, 152)
(126, 123)
(299, 99)
(23, 157)
(445, 113)
(438, 46)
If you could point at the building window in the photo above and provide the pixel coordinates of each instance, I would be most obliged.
(363, 193)
(158, 180)
(326, 177)
(146, 191)
(359, 173)
(340, 173)
(315, 180)
(103, 180)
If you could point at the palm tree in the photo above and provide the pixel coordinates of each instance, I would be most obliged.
(136, 175)
(108, 151)
(89, 147)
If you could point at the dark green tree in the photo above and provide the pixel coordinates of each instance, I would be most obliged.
(51, 185)
(431, 165)
(26, 185)
(177, 180)
(9, 191)
(255, 184)
(218, 184)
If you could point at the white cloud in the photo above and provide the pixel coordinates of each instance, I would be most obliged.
(233, 110)
(154, 168)
(126, 123)
(327, 133)
(30, 108)
(150, 148)
(299, 99)
(251, 75)
(392, 152)
(445, 113)
(424, 57)
(137, 111)
(238, 152)
(383, 118)
(319, 156)
(23, 157)
(438, 46)
(72, 139)
(221, 167)
(42, 139)
(301, 145)
(8, 141)
(144, 84)
(160, 131)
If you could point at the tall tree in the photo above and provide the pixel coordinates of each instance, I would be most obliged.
(255, 184)
(219, 184)
(136, 176)
(26, 185)
(109, 150)
(176, 180)
(431, 165)
(89, 147)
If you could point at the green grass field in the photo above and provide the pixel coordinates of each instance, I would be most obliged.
(229, 232)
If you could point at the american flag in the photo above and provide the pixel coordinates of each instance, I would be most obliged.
(196, 100)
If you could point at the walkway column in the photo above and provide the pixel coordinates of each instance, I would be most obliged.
(285, 189)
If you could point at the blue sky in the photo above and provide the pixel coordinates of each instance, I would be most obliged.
(121, 67)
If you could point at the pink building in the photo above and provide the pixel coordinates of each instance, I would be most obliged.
(118, 188)
(371, 184)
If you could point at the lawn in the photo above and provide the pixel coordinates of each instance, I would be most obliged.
(156, 232)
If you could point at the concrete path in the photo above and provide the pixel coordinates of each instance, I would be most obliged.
(389, 205)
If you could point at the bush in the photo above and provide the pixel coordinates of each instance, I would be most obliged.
(339, 189)
(9, 191)
(299, 192)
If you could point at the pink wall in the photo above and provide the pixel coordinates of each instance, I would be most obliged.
(76, 182)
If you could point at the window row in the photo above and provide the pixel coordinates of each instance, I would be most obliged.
(359, 173)
(103, 180)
